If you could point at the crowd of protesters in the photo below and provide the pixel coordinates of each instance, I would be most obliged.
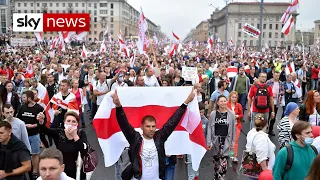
(229, 86)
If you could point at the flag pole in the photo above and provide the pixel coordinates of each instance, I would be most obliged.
(154, 55)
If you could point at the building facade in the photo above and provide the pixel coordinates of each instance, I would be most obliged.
(190, 36)
(316, 31)
(308, 37)
(4, 16)
(240, 13)
(115, 15)
(201, 33)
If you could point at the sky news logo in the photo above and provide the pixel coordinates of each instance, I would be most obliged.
(39, 22)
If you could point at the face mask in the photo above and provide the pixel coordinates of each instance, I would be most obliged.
(121, 79)
(308, 140)
(67, 126)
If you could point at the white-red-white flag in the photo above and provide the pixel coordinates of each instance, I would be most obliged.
(44, 98)
(176, 37)
(155, 39)
(84, 52)
(39, 36)
(69, 103)
(285, 16)
(81, 35)
(151, 101)
(142, 31)
(103, 47)
(106, 32)
(231, 42)
(133, 59)
(288, 25)
(172, 49)
(290, 68)
(294, 6)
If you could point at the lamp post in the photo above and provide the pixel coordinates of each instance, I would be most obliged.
(226, 15)
(260, 27)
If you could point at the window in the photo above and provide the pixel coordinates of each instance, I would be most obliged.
(83, 11)
(258, 26)
(95, 5)
(95, 33)
(103, 12)
(276, 43)
(263, 34)
(95, 12)
(3, 2)
(83, 4)
(63, 4)
(240, 26)
(269, 43)
(111, 25)
(111, 32)
(31, 4)
(44, 4)
(76, 11)
(89, 4)
(50, 4)
(282, 35)
(19, 4)
(63, 11)
(95, 19)
(270, 34)
(277, 26)
(76, 4)
(38, 11)
(19, 11)
(276, 35)
(111, 5)
(69, 4)
(245, 35)
(251, 42)
(257, 42)
(38, 4)
(89, 11)
(239, 34)
(57, 11)
(111, 19)
(103, 5)
(57, 4)
(264, 26)
(32, 11)
(25, 4)
(95, 25)
(111, 13)
(277, 18)
(25, 11)
(270, 26)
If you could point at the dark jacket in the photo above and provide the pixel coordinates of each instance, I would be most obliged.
(303, 115)
(15, 102)
(212, 85)
(135, 140)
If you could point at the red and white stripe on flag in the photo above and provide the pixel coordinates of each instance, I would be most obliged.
(69, 104)
(175, 36)
(44, 96)
(288, 25)
(232, 71)
(290, 68)
(294, 6)
(39, 36)
(285, 16)
(187, 138)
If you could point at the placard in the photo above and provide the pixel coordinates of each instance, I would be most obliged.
(22, 42)
(189, 73)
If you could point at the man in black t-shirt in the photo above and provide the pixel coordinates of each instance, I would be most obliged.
(28, 113)
(15, 162)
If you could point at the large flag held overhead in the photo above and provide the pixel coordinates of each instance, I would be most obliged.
(187, 138)
(285, 16)
(175, 36)
(39, 36)
(294, 6)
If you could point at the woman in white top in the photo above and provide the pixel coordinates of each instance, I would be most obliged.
(132, 75)
(258, 142)
(309, 111)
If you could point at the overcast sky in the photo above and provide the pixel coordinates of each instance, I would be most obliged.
(182, 15)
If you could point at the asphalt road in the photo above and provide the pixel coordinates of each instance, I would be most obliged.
(206, 169)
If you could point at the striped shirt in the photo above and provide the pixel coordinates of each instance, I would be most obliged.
(284, 132)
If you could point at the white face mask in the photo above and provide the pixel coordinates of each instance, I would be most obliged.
(67, 126)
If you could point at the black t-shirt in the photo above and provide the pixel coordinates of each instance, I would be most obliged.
(17, 157)
(29, 116)
(50, 89)
(81, 83)
(221, 124)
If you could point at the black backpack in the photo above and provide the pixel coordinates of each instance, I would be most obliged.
(291, 155)
(261, 99)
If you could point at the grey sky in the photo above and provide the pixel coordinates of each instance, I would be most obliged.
(182, 15)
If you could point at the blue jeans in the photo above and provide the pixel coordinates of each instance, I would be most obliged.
(314, 84)
(191, 173)
(169, 172)
(243, 101)
(35, 144)
(117, 171)
(89, 100)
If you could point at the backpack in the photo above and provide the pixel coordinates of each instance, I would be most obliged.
(125, 164)
(261, 99)
(291, 155)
